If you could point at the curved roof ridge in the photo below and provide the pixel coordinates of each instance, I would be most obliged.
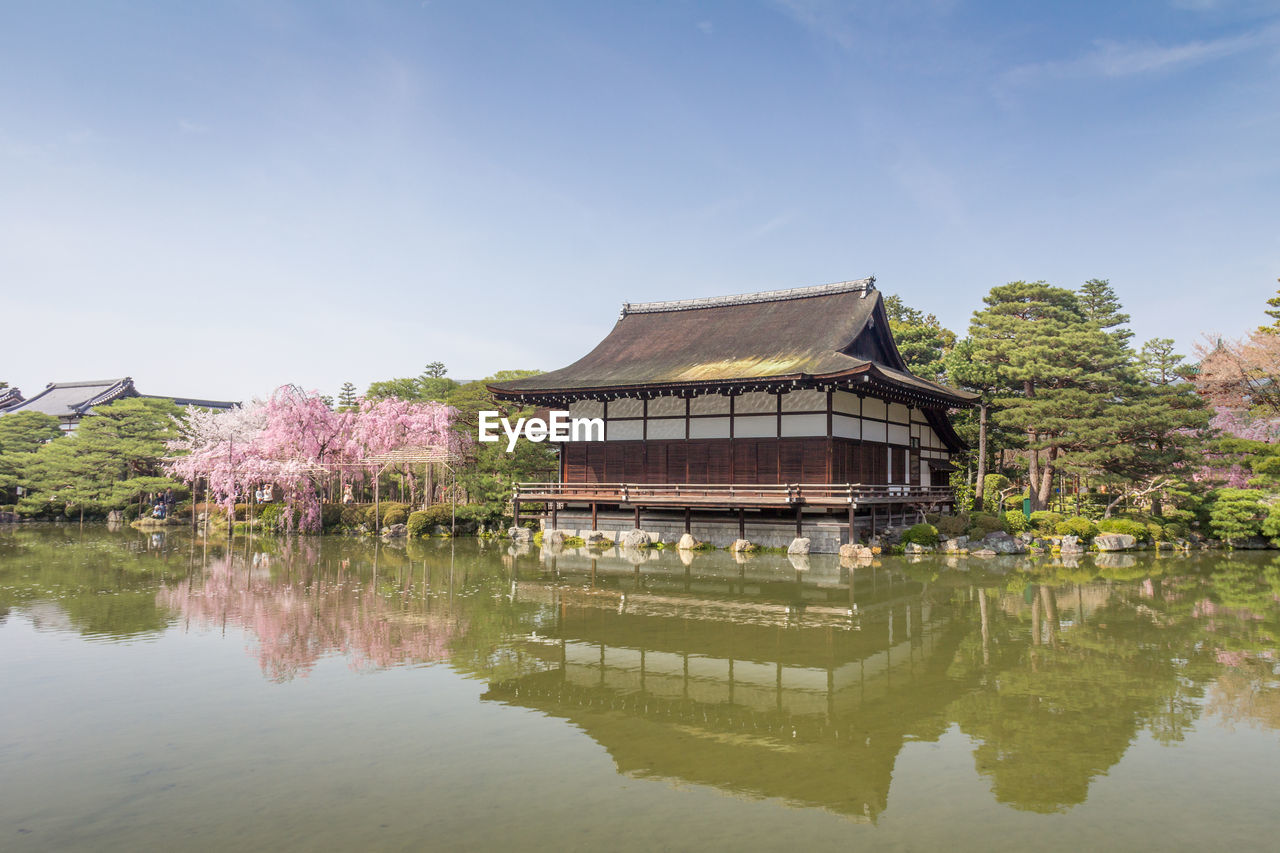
(863, 285)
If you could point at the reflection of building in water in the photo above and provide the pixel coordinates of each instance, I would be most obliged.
(758, 682)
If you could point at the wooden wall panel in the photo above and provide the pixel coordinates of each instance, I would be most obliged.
(744, 462)
(791, 459)
(698, 462)
(740, 461)
(633, 462)
(718, 462)
(595, 463)
(655, 464)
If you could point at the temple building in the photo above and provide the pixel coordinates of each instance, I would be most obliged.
(70, 402)
(760, 416)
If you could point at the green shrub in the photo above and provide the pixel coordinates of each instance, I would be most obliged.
(1176, 530)
(1136, 529)
(1078, 526)
(352, 515)
(1045, 521)
(951, 525)
(436, 514)
(383, 509)
(982, 523)
(418, 524)
(330, 516)
(1237, 513)
(921, 534)
(1155, 531)
(1016, 522)
(271, 516)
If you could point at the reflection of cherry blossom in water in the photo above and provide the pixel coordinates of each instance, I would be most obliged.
(294, 624)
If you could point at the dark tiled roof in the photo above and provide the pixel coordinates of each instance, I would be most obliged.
(76, 399)
(73, 399)
(192, 401)
(828, 332)
(10, 397)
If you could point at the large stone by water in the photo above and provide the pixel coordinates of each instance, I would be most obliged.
(520, 534)
(740, 545)
(1114, 541)
(1002, 543)
(687, 543)
(635, 539)
(1071, 545)
(799, 545)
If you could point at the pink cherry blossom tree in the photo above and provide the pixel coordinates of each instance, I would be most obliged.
(297, 442)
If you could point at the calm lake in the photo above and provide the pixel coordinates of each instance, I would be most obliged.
(327, 694)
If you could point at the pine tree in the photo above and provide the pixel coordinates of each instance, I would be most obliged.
(347, 397)
(1057, 371)
(1160, 425)
(921, 338)
(1274, 313)
(113, 457)
(22, 434)
(1102, 307)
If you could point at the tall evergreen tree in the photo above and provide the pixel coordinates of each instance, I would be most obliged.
(1273, 312)
(1160, 425)
(1101, 306)
(22, 434)
(921, 338)
(347, 397)
(113, 457)
(1056, 369)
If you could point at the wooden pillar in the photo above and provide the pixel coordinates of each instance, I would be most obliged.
(554, 518)
(853, 533)
(637, 516)
(688, 513)
(594, 523)
(798, 520)
(742, 523)
(515, 508)
(873, 520)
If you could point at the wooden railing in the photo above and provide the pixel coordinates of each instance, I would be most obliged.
(729, 494)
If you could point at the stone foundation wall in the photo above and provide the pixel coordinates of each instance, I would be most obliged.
(824, 532)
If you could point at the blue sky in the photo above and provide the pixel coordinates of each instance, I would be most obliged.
(218, 198)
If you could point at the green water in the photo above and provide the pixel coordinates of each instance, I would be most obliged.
(161, 693)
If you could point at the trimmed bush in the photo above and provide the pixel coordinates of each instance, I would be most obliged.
(1238, 513)
(330, 516)
(1015, 522)
(921, 534)
(1136, 529)
(398, 511)
(419, 524)
(352, 515)
(1078, 526)
(952, 525)
(1045, 521)
(982, 523)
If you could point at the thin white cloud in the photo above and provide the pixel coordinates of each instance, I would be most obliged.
(194, 128)
(780, 221)
(1112, 59)
(706, 27)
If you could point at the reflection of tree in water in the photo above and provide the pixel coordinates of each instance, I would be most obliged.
(1242, 621)
(98, 586)
(296, 622)
(1067, 687)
